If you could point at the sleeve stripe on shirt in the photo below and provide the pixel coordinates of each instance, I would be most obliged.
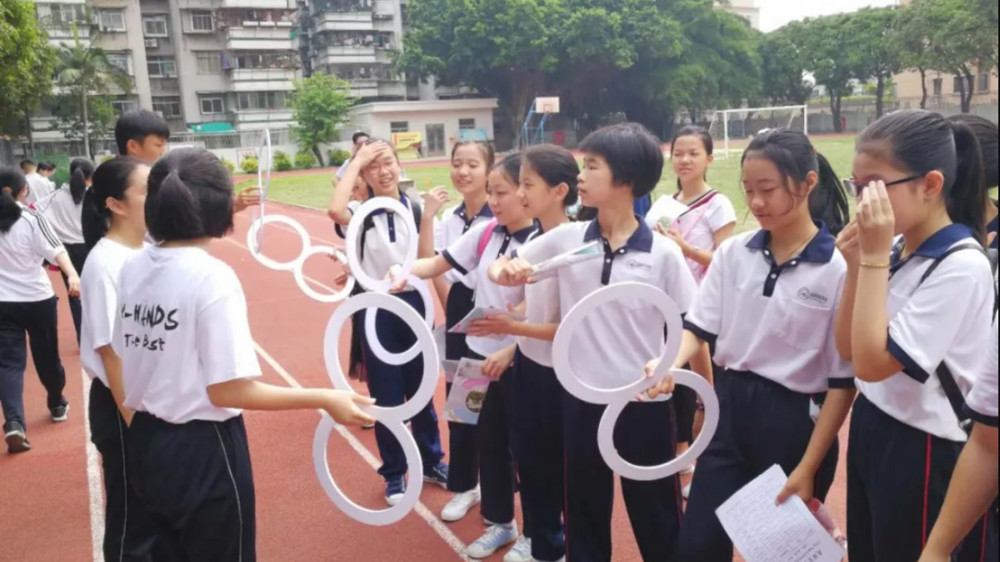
(45, 229)
(910, 367)
(990, 421)
(454, 263)
(842, 383)
(703, 335)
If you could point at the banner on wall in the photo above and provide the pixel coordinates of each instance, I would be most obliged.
(408, 145)
(473, 135)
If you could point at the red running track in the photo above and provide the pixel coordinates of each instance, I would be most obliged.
(49, 503)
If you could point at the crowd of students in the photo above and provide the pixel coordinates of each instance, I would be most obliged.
(888, 317)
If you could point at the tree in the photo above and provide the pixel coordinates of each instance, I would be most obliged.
(77, 124)
(826, 45)
(960, 41)
(872, 33)
(914, 42)
(84, 71)
(26, 64)
(321, 104)
(783, 66)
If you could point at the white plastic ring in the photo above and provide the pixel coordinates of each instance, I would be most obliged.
(617, 399)
(354, 232)
(253, 242)
(300, 278)
(404, 357)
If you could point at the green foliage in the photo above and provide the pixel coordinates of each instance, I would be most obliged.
(229, 165)
(27, 62)
(69, 119)
(321, 104)
(784, 64)
(305, 160)
(338, 156)
(282, 162)
(249, 165)
(874, 49)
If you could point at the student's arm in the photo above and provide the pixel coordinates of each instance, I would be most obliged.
(702, 257)
(249, 394)
(516, 270)
(430, 267)
(831, 418)
(46, 245)
(113, 371)
(505, 325)
(847, 243)
(973, 487)
(497, 363)
(430, 240)
(338, 210)
(72, 278)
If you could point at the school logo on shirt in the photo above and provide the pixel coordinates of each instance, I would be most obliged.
(807, 295)
(636, 265)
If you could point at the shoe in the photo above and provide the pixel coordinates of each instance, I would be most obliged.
(17, 440)
(60, 413)
(394, 491)
(460, 504)
(521, 551)
(686, 492)
(495, 538)
(437, 475)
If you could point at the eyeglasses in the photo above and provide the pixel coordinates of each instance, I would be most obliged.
(854, 188)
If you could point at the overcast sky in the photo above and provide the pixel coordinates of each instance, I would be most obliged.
(776, 13)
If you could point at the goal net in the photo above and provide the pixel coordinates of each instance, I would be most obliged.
(732, 129)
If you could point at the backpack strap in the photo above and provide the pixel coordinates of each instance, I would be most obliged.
(415, 209)
(484, 240)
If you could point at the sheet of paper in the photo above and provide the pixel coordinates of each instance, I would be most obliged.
(450, 368)
(765, 532)
(549, 267)
(666, 209)
(479, 314)
(468, 391)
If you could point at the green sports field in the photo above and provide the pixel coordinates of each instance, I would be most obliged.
(314, 190)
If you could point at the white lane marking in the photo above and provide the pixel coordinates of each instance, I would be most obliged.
(95, 486)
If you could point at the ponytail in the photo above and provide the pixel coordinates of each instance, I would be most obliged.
(828, 201)
(12, 183)
(966, 200)
(81, 170)
(190, 196)
(172, 208)
(111, 180)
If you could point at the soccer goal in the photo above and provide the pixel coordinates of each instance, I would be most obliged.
(732, 129)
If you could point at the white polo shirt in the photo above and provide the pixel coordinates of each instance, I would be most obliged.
(99, 301)
(617, 340)
(384, 242)
(463, 255)
(775, 320)
(542, 300)
(982, 401)
(453, 224)
(29, 241)
(698, 225)
(63, 215)
(946, 319)
(181, 327)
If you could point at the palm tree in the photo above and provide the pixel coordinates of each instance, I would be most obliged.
(85, 70)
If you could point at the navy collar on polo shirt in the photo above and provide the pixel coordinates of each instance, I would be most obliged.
(819, 250)
(402, 199)
(521, 235)
(640, 241)
(935, 246)
(484, 212)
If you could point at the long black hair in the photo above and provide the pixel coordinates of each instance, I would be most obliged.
(921, 142)
(795, 157)
(12, 183)
(555, 165)
(190, 196)
(111, 180)
(80, 170)
(986, 131)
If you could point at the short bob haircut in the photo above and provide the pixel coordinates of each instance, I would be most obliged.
(634, 154)
(190, 196)
(137, 126)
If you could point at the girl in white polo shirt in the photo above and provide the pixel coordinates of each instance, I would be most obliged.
(189, 367)
(916, 323)
(28, 307)
(383, 243)
(473, 253)
(62, 208)
(769, 303)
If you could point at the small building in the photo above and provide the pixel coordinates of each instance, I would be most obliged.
(425, 128)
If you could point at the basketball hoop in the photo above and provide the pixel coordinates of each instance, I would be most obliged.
(547, 106)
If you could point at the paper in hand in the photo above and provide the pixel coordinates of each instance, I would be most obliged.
(665, 210)
(765, 532)
(468, 392)
(480, 314)
(549, 267)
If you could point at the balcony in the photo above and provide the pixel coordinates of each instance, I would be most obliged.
(261, 118)
(63, 34)
(261, 79)
(343, 21)
(258, 4)
(259, 39)
(350, 54)
(392, 88)
(164, 85)
(364, 87)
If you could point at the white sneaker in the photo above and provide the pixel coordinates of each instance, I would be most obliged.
(521, 551)
(495, 538)
(460, 504)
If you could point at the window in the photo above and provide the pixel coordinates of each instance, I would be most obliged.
(260, 100)
(209, 62)
(466, 124)
(124, 105)
(211, 104)
(202, 21)
(938, 86)
(984, 80)
(961, 81)
(161, 67)
(122, 61)
(63, 15)
(111, 20)
(169, 106)
(399, 127)
(154, 26)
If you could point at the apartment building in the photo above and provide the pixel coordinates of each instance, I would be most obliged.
(747, 9)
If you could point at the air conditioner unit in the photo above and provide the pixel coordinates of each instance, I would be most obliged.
(152, 43)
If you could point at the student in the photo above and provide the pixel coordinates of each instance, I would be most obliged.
(383, 245)
(471, 163)
(188, 367)
(358, 140)
(62, 209)
(510, 229)
(975, 478)
(28, 307)
(38, 187)
(548, 187)
(621, 163)
(768, 305)
(915, 348)
(986, 131)
(144, 135)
